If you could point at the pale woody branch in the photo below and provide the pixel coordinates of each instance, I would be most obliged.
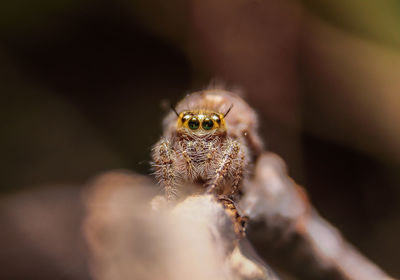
(196, 238)
(283, 220)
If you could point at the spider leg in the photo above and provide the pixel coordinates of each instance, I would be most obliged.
(229, 157)
(238, 175)
(164, 156)
(189, 164)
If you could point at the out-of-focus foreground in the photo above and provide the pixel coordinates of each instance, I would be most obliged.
(81, 85)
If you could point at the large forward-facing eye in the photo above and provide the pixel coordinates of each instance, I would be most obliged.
(207, 124)
(194, 123)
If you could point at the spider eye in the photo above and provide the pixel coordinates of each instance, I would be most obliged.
(193, 123)
(207, 124)
(186, 117)
(216, 118)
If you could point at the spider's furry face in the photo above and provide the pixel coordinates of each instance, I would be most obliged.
(204, 146)
(201, 122)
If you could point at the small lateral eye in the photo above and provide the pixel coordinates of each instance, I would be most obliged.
(216, 118)
(207, 124)
(194, 123)
(186, 117)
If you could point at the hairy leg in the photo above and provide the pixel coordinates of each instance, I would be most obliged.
(231, 156)
(164, 156)
(189, 164)
(238, 174)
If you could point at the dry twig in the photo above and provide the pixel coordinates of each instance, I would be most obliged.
(196, 238)
(283, 223)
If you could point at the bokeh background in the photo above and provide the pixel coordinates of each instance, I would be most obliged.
(84, 85)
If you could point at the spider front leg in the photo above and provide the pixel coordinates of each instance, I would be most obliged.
(231, 163)
(164, 157)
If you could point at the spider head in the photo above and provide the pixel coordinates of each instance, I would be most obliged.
(201, 121)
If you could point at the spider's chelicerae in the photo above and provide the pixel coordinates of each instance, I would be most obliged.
(209, 140)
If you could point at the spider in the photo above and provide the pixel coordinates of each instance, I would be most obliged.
(210, 140)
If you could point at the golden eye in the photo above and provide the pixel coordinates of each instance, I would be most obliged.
(207, 124)
(186, 117)
(194, 123)
(216, 118)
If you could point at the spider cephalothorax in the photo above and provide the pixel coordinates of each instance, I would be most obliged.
(203, 145)
(201, 122)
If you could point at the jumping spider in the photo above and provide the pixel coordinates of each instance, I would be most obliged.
(209, 140)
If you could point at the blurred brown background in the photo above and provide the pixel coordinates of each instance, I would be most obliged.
(82, 83)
